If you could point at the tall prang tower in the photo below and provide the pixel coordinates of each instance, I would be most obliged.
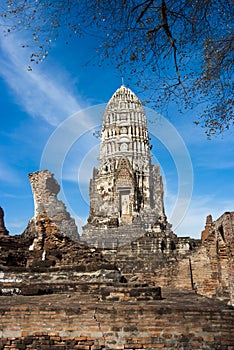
(126, 191)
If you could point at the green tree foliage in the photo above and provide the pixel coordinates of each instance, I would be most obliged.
(180, 50)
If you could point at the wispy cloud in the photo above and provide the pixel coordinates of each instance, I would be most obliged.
(16, 196)
(201, 206)
(194, 135)
(44, 91)
(222, 165)
(17, 225)
(80, 170)
(7, 174)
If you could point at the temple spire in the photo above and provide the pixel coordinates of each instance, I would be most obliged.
(126, 187)
(124, 131)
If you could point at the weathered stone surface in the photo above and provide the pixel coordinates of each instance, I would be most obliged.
(126, 191)
(3, 230)
(46, 205)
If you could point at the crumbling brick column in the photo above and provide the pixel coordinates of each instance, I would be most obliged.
(3, 230)
(46, 205)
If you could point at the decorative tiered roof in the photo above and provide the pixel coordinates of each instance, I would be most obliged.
(124, 130)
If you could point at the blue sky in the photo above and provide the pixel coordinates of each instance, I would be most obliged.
(35, 108)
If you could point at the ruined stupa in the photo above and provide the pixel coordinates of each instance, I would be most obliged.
(50, 213)
(126, 190)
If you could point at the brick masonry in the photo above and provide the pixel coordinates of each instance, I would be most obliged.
(46, 204)
(210, 269)
(181, 262)
(179, 321)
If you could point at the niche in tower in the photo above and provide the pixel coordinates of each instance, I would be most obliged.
(125, 205)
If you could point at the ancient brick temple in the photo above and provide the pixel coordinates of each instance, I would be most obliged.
(126, 185)
(135, 285)
(126, 191)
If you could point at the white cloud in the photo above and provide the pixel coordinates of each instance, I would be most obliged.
(42, 92)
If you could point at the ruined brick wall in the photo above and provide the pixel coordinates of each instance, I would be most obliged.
(3, 230)
(205, 233)
(212, 266)
(112, 237)
(210, 269)
(45, 189)
(224, 228)
(63, 262)
(180, 262)
(153, 250)
(180, 321)
(199, 271)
